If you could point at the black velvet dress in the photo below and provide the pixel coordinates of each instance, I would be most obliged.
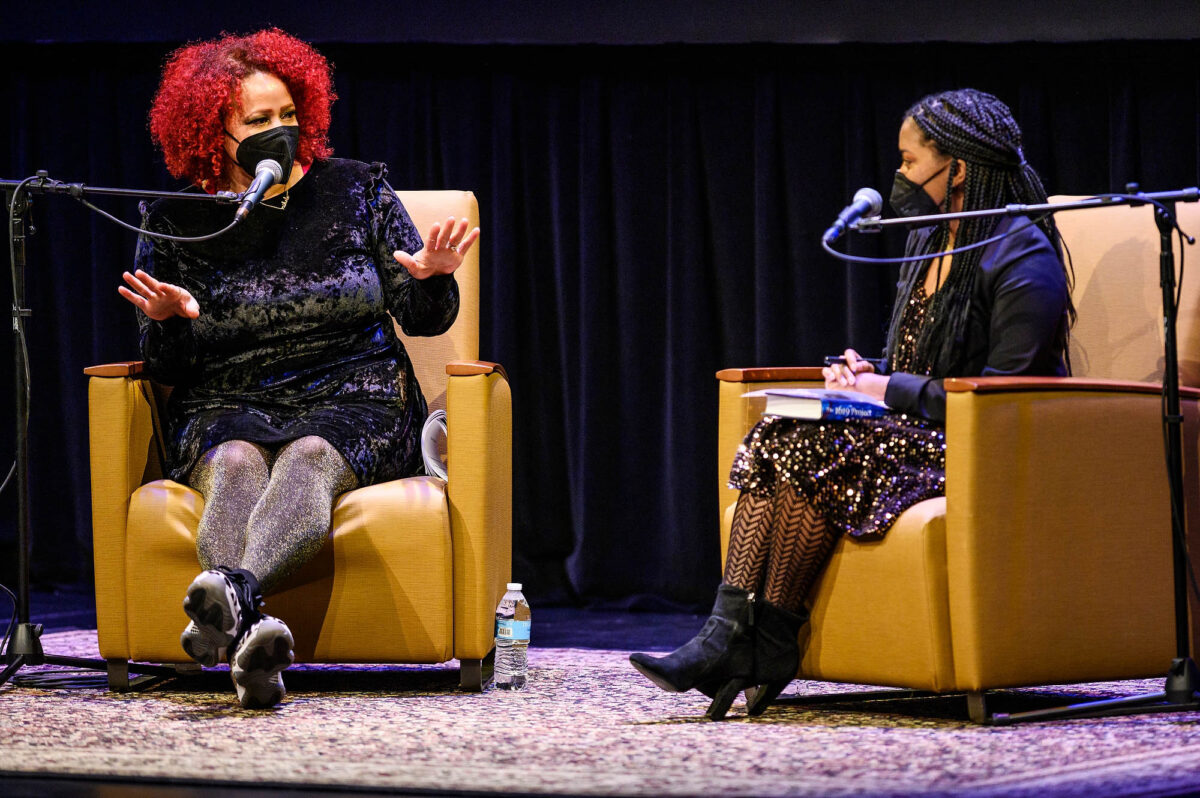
(862, 474)
(294, 337)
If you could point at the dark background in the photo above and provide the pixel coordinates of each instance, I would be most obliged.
(653, 180)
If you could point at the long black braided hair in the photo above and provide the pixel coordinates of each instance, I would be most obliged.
(978, 128)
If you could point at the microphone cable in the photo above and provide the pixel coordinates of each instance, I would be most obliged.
(19, 329)
(12, 621)
(78, 197)
(161, 236)
(913, 258)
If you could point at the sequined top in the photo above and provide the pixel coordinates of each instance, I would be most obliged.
(861, 474)
(294, 336)
(915, 312)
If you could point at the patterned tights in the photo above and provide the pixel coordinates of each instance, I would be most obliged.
(268, 513)
(778, 546)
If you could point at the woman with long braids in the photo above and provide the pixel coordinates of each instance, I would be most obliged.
(1000, 309)
(290, 385)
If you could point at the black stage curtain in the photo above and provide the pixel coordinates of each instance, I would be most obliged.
(651, 214)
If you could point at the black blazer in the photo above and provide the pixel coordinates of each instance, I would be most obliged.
(1017, 322)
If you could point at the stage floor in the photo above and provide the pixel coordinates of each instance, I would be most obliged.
(553, 627)
(588, 725)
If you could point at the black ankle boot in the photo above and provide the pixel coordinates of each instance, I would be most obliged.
(222, 604)
(776, 654)
(719, 660)
(249, 592)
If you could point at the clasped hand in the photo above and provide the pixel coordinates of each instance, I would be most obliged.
(444, 249)
(855, 373)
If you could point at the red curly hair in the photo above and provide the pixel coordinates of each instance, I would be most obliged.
(201, 85)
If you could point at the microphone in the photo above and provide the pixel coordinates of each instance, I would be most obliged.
(867, 202)
(266, 174)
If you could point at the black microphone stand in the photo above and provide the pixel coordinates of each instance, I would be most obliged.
(25, 647)
(1182, 690)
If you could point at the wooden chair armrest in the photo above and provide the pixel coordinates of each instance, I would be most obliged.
(1014, 384)
(468, 368)
(772, 374)
(128, 368)
(455, 368)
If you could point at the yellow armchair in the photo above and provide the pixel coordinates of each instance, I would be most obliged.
(414, 567)
(1049, 559)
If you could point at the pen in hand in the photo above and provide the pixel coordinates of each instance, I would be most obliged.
(876, 364)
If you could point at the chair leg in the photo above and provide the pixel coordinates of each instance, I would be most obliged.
(118, 675)
(977, 706)
(476, 674)
(120, 682)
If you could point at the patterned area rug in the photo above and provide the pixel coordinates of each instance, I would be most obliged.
(587, 725)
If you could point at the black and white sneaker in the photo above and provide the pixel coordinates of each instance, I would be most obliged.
(259, 659)
(220, 603)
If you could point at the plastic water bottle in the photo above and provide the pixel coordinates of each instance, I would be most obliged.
(512, 639)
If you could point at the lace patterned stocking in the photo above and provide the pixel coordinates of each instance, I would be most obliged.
(778, 547)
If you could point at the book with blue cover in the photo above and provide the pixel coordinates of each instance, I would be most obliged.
(820, 403)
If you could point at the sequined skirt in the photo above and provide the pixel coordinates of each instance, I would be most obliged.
(860, 474)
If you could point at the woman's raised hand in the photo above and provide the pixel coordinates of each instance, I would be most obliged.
(845, 374)
(158, 300)
(443, 252)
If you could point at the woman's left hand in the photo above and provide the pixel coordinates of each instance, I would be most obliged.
(443, 252)
(873, 385)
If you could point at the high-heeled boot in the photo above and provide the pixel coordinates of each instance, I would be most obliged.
(719, 660)
(776, 654)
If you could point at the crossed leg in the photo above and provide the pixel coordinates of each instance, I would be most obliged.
(267, 514)
(778, 547)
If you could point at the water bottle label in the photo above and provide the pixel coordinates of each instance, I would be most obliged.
(509, 629)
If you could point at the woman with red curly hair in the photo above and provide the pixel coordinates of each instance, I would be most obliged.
(290, 385)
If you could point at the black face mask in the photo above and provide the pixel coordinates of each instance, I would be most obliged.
(911, 199)
(278, 144)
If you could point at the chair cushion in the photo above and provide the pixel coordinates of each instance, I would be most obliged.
(379, 592)
(880, 612)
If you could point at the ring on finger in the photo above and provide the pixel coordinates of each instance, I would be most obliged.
(453, 247)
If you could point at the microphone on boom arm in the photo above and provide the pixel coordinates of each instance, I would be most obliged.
(867, 202)
(266, 174)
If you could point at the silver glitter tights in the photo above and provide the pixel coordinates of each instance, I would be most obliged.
(267, 512)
